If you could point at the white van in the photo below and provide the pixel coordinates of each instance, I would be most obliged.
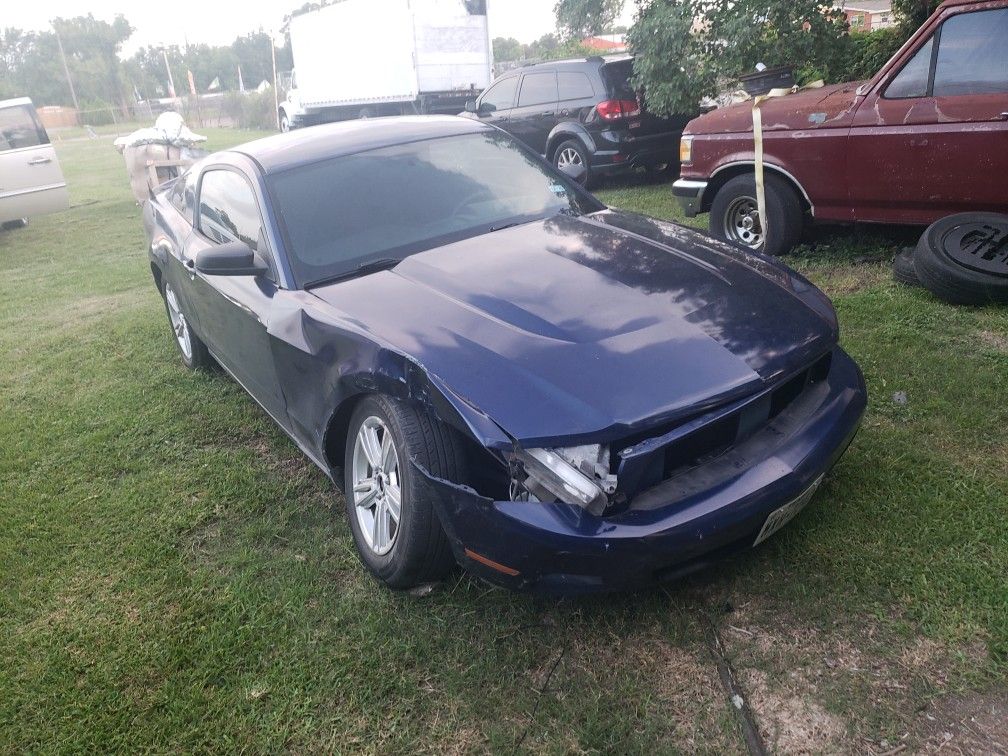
(31, 182)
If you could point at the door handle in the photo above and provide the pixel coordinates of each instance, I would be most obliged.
(39, 161)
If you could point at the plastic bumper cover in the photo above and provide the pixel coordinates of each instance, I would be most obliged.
(561, 549)
(690, 193)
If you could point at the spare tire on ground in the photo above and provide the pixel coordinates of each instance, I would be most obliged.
(963, 258)
(903, 269)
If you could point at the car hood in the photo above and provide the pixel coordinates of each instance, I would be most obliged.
(805, 109)
(588, 328)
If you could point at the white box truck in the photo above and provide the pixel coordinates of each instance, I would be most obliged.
(367, 58)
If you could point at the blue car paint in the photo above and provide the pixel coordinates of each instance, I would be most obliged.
(558, 548)
(553, 333)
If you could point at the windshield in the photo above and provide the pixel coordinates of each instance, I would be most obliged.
(346, 212)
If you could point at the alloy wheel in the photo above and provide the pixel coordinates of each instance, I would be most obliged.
(178, 322)
(568, 156)
(377, 486)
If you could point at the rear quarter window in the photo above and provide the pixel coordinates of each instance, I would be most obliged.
(574, 85)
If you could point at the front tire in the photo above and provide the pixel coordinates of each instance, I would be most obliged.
(397, 533)
(284, 123)
(193, 351)
(734, 216)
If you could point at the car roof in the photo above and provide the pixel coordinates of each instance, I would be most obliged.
(305, 146)
(15, 101)
(593, 61)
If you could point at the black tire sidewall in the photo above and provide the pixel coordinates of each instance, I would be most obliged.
(950, 280)
(904, 268)
(784, 212)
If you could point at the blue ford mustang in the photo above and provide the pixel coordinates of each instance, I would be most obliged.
(496, 369)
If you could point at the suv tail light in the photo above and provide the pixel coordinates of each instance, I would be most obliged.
(611, 110)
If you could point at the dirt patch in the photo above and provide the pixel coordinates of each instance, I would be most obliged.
(849, 279)
(850, 684)
(995, 340)
(974, 723)
(790, 720)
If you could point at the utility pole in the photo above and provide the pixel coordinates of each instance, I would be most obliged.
(66, 69)
(276, 88)
(171, 81)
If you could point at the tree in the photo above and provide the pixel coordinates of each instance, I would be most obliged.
(689, 49)
(506, 49)
(913, 13)
(577, 19)
(92, 49)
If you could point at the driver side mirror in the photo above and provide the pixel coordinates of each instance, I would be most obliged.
(232, 259)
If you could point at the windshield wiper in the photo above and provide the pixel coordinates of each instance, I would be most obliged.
(372, 266)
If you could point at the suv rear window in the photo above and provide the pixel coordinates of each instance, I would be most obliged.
(616, 76)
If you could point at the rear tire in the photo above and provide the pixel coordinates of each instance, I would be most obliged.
(572, 151)
(193, 351)
(414, 550)
(733, 215)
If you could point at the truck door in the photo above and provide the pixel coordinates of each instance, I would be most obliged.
(932, 139)
(31, 182)
(535, 115)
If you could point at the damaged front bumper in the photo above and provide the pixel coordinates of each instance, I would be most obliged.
(679, 525)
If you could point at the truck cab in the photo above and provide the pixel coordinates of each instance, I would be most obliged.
(926, 137)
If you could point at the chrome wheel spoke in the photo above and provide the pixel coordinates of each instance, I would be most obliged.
(368, 499)
(388, 460)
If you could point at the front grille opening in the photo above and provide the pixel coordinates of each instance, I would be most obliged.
(710, 441)
(705, 444)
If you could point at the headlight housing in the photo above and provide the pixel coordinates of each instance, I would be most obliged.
(686, 148)
(576, 475)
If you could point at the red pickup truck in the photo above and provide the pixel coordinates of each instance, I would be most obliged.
(926, 137)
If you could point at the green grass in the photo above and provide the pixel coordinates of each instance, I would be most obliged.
(174, 578)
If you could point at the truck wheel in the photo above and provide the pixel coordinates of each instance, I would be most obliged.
(734, 217)
(284, 122)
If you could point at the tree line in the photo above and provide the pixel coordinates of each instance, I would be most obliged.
(31, 64)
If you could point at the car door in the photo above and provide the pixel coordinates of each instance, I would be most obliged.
(233, 311)
(495, 104)
(932, 139)
(535, 114)
(31, 182)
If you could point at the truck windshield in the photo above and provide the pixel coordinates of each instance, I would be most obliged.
(343, 213)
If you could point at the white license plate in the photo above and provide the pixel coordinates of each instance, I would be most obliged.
(782, 516)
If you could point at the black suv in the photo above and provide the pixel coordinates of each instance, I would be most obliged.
(584, 112)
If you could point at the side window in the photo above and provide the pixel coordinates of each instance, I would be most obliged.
(227, 209)
(574, 85)
(501, 95)
(19, 127)
(183, 195)
(973, 54)
(538, 89)
(912, 80)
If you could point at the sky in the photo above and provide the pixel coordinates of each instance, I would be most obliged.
(218, 23)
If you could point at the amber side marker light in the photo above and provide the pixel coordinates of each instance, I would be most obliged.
(491, 563)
